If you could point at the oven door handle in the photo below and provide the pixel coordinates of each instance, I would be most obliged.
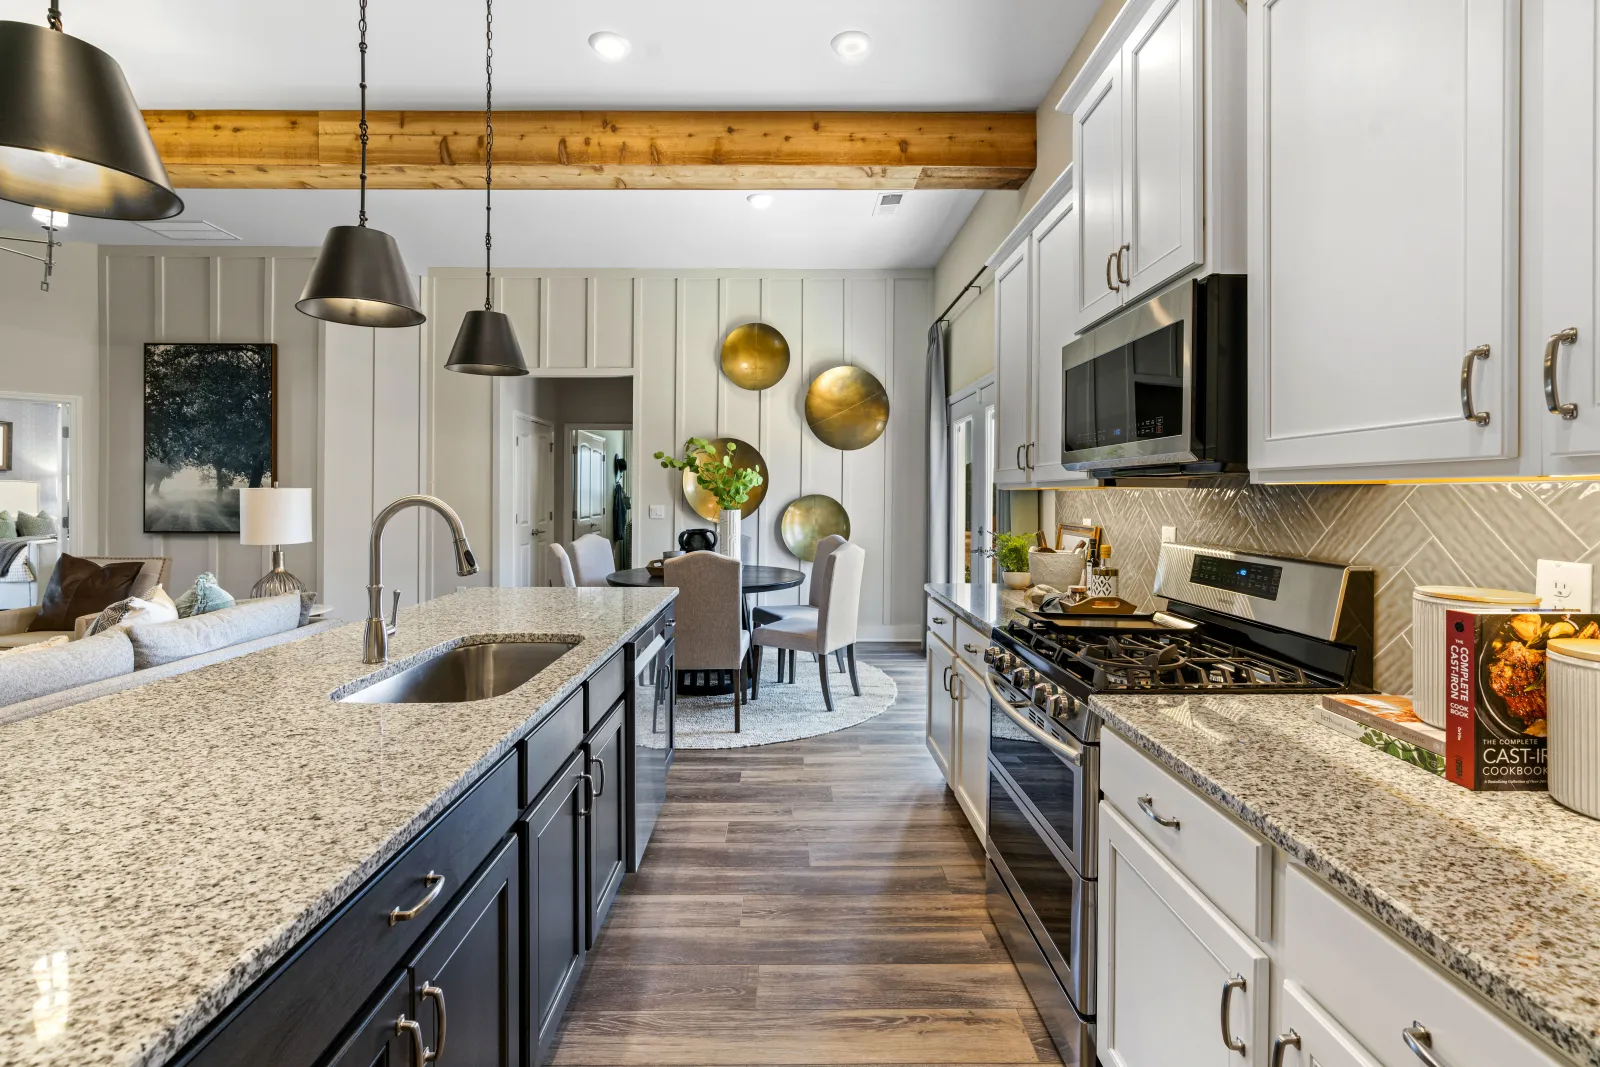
(1067, 752)
(650, 651)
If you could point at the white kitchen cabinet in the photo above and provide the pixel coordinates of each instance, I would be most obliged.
(941, 706)
(1013, 358)
(1166, 955)
(1055, 272)
(1097, 156)
(1310, 1037)
(972, 746)
(1383, 232)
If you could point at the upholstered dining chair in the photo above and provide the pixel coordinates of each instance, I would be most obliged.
(833, 628)
(766, 613)
(709, 632)
(559, 568)
(592, 561)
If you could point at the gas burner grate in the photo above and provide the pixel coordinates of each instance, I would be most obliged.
(1160, 662)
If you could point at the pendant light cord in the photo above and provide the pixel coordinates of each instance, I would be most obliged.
(363, 25)
(488, 155)
(53, 16)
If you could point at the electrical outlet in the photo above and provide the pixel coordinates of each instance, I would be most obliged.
(658, 511)
(1169, 534)
(1087, 521)
(1564, 586)
(461, 589)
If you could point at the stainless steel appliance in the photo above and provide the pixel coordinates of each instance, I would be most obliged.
(1159, 390)
(650, 659)
(1234, 621)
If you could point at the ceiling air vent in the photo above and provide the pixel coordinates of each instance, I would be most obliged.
(189, 230)
(887, 203)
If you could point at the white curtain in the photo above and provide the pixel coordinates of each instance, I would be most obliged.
(938, 456)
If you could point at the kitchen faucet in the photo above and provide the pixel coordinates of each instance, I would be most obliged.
(376, 648)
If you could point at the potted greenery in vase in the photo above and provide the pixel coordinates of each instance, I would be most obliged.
(728, 485)
(1011, 552)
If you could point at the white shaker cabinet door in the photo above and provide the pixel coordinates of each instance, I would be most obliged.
(1310, 1037)
(1570, 280)
(1013, 334)
(1097, 190)
(1383, 231)
(972, 729)
(941, 707)
(1055, 272)
(1161, 148)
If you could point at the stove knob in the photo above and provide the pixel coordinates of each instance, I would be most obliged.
(1041, 695)
(1023, 677)
(1061, 706)
(993, 656)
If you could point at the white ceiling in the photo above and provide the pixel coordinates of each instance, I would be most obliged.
(927, 54)
(829, 230)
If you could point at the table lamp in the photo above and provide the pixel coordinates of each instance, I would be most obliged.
(275, 517)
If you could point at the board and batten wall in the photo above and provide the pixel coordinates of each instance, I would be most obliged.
(665, 329)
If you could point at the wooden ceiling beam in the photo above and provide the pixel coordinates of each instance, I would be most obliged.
(598, 149)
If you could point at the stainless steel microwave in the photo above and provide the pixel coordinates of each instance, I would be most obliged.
(1158, 392)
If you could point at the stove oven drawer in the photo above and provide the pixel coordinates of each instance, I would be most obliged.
(1226, 862)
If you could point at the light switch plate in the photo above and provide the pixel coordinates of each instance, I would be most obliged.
(1564, 586)
(658, 511)
(1169, 534)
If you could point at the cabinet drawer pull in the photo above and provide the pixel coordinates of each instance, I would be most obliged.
(1122, 275)
(1469, 410)
(600, 790)
(1552, 398)
(1148, 806)
(940, 620)
(970, 647)
(435, 884)
(435, 994)
(588, 795)
(1109, 283)
(947, 677)
(1233, 1043)
(1420, 1042)
(419, 1052)
(1029, 454)
(1289, 1040)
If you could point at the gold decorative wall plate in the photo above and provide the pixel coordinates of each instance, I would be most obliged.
(808, 520)
(744, 456)
(755, 356)
(847, 407)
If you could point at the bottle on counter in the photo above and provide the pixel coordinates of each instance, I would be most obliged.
(1103, 576)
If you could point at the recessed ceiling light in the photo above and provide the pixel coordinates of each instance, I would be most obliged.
(760, 201)
(852, 45)
(43, 216)
(609, 46)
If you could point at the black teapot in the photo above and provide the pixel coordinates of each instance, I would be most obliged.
(698, 539)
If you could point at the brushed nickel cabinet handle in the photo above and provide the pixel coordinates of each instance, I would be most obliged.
(419, 1052)
(435, 994)
(1552, 398)
(1420, 1042)
(588, 795)
(947, 680)
(1289, 1040)
(1029, 453)
(1148, 806)
(435, 884)
(970, 647)
(1233, 1043)
(1469, 410)
(1109, 283)
(600, 790)
(940, 620)
(1122, 275)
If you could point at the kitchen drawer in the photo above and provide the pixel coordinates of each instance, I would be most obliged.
(605, 689)
(293, 1016)
(942, 622)
(1376, 987)
(1229, 864)
(549, 746)
(970, 643)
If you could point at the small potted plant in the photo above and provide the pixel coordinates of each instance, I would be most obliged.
(1011, 552)
(728, 485)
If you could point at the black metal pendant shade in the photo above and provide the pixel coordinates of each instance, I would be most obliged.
(359, 279)
(71, 136)
(486, 344)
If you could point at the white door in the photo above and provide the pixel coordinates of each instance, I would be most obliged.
(1312, 1038)
(941, 707)
(1383, 231)
(1166, 955)
(1161, 148)
(590, 494)
(1097, 190)
(972, 462)
(522, 520)
(543, 476)
(1055, 276)
(972, 746)
(1013, 364)
(1571, 186)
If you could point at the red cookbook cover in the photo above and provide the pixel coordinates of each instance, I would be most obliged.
(1495, 696)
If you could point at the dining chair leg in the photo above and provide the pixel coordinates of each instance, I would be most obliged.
(827, 694)
(755, 672)
(855, 682)
(791, 666)
(738, 690)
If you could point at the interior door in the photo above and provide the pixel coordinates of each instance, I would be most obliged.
(588, 484)
(522, 462)
(1383, 231)
(1013, 363)
(1097, 188)
(972, 479)
(543, 474)
(1161, 147)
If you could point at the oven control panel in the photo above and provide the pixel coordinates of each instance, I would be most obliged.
(1259, 580)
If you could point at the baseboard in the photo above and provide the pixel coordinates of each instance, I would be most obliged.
(866, 647)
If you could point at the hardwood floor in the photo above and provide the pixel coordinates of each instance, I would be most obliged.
(812, 902)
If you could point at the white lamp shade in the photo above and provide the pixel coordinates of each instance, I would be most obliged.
(274, 516)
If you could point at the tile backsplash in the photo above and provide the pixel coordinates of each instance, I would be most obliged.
(1473, 533)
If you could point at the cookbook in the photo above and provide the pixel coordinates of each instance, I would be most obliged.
(1386, 723)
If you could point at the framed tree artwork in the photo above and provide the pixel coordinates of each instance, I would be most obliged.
(209, 431)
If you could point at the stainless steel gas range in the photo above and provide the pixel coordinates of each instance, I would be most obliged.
(1234, 621)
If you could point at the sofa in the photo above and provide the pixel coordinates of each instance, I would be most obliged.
(39, 680)
(14, 622)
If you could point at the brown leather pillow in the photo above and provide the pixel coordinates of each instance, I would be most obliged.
(80, 587)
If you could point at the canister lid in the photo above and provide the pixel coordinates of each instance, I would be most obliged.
(1467, 594)
(1585, 648)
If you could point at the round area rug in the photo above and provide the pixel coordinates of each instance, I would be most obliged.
(784, 712)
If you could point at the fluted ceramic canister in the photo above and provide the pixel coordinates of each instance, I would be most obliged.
(1572, 679)
(1429, 605)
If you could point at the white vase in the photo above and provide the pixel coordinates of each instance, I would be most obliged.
(728, 532)
(1015, 579)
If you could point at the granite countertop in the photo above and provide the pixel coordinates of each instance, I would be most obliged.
(983, 605)
(165, 845)
(1500, 889)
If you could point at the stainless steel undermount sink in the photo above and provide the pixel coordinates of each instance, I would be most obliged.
(466, 672)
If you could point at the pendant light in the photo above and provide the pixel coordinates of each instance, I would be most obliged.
(487, 344)
(71, 136)
(359, 278)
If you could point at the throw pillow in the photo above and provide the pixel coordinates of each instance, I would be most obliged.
(155, 606)
(203, 596)
(40, 525)
(49, 642)
(8, 526)
(82, 587)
